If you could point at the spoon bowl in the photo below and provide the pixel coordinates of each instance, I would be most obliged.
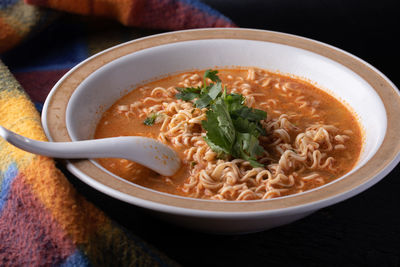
(145, 151)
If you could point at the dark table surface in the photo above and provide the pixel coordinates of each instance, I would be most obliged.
(361, 231)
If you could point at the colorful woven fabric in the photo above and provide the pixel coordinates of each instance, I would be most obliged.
(19, 20)
(157, 14)
(43, 219)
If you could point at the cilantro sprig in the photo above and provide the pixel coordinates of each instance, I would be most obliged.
(150, 119)
(204, 94)
(232, 128)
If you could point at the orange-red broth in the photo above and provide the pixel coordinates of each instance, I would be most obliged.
(330, 111)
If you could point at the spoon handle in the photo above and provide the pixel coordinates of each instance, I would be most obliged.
(97, 148)
(146, 151)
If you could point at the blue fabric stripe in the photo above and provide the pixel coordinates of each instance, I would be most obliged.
(68, 65)
(6, 180)
(60, 46)
(58, 59)
(205, 8)
(6, 3)
(76, 259)
(141, 244)
(39, 106)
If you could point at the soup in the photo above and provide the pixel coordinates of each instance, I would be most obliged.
(241, 134)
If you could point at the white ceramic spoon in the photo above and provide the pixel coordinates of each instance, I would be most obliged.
(145, 151)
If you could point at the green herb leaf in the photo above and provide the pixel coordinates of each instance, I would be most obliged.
(212, 75)
(232, 128)
(220, 130)
(215, 90)
(150, 119)
(203, 102)
(249, 113)
(208, 96)
(233, 101)
(247, 147)
(245, 126)
(224, 120)
(188, 93)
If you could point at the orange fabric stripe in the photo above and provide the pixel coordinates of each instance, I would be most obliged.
(80, 7)
(118, 9)
(114, 8)
(9, 37)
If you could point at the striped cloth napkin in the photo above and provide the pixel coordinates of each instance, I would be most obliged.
(43, 220)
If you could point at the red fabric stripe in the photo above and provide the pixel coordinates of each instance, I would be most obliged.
(172, 15)
(39, 83)
(29, 235)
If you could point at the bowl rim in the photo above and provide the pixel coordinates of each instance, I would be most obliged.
(384, 160)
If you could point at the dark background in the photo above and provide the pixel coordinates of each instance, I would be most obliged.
(365, 28)
(361, 231)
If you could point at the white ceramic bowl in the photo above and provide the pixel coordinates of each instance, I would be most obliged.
(77, 101)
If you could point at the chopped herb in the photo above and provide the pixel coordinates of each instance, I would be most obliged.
(205, 94)
(230, 134)
(212, 75)
(188, 93)
(208, 95)
(150, 119)
(220, 129)
(232, 127)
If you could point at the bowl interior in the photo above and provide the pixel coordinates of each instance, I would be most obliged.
(110, 82)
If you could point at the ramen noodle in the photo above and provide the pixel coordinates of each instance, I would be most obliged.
(310, 138)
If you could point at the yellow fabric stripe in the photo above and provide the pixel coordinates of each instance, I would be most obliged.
(17, 113)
